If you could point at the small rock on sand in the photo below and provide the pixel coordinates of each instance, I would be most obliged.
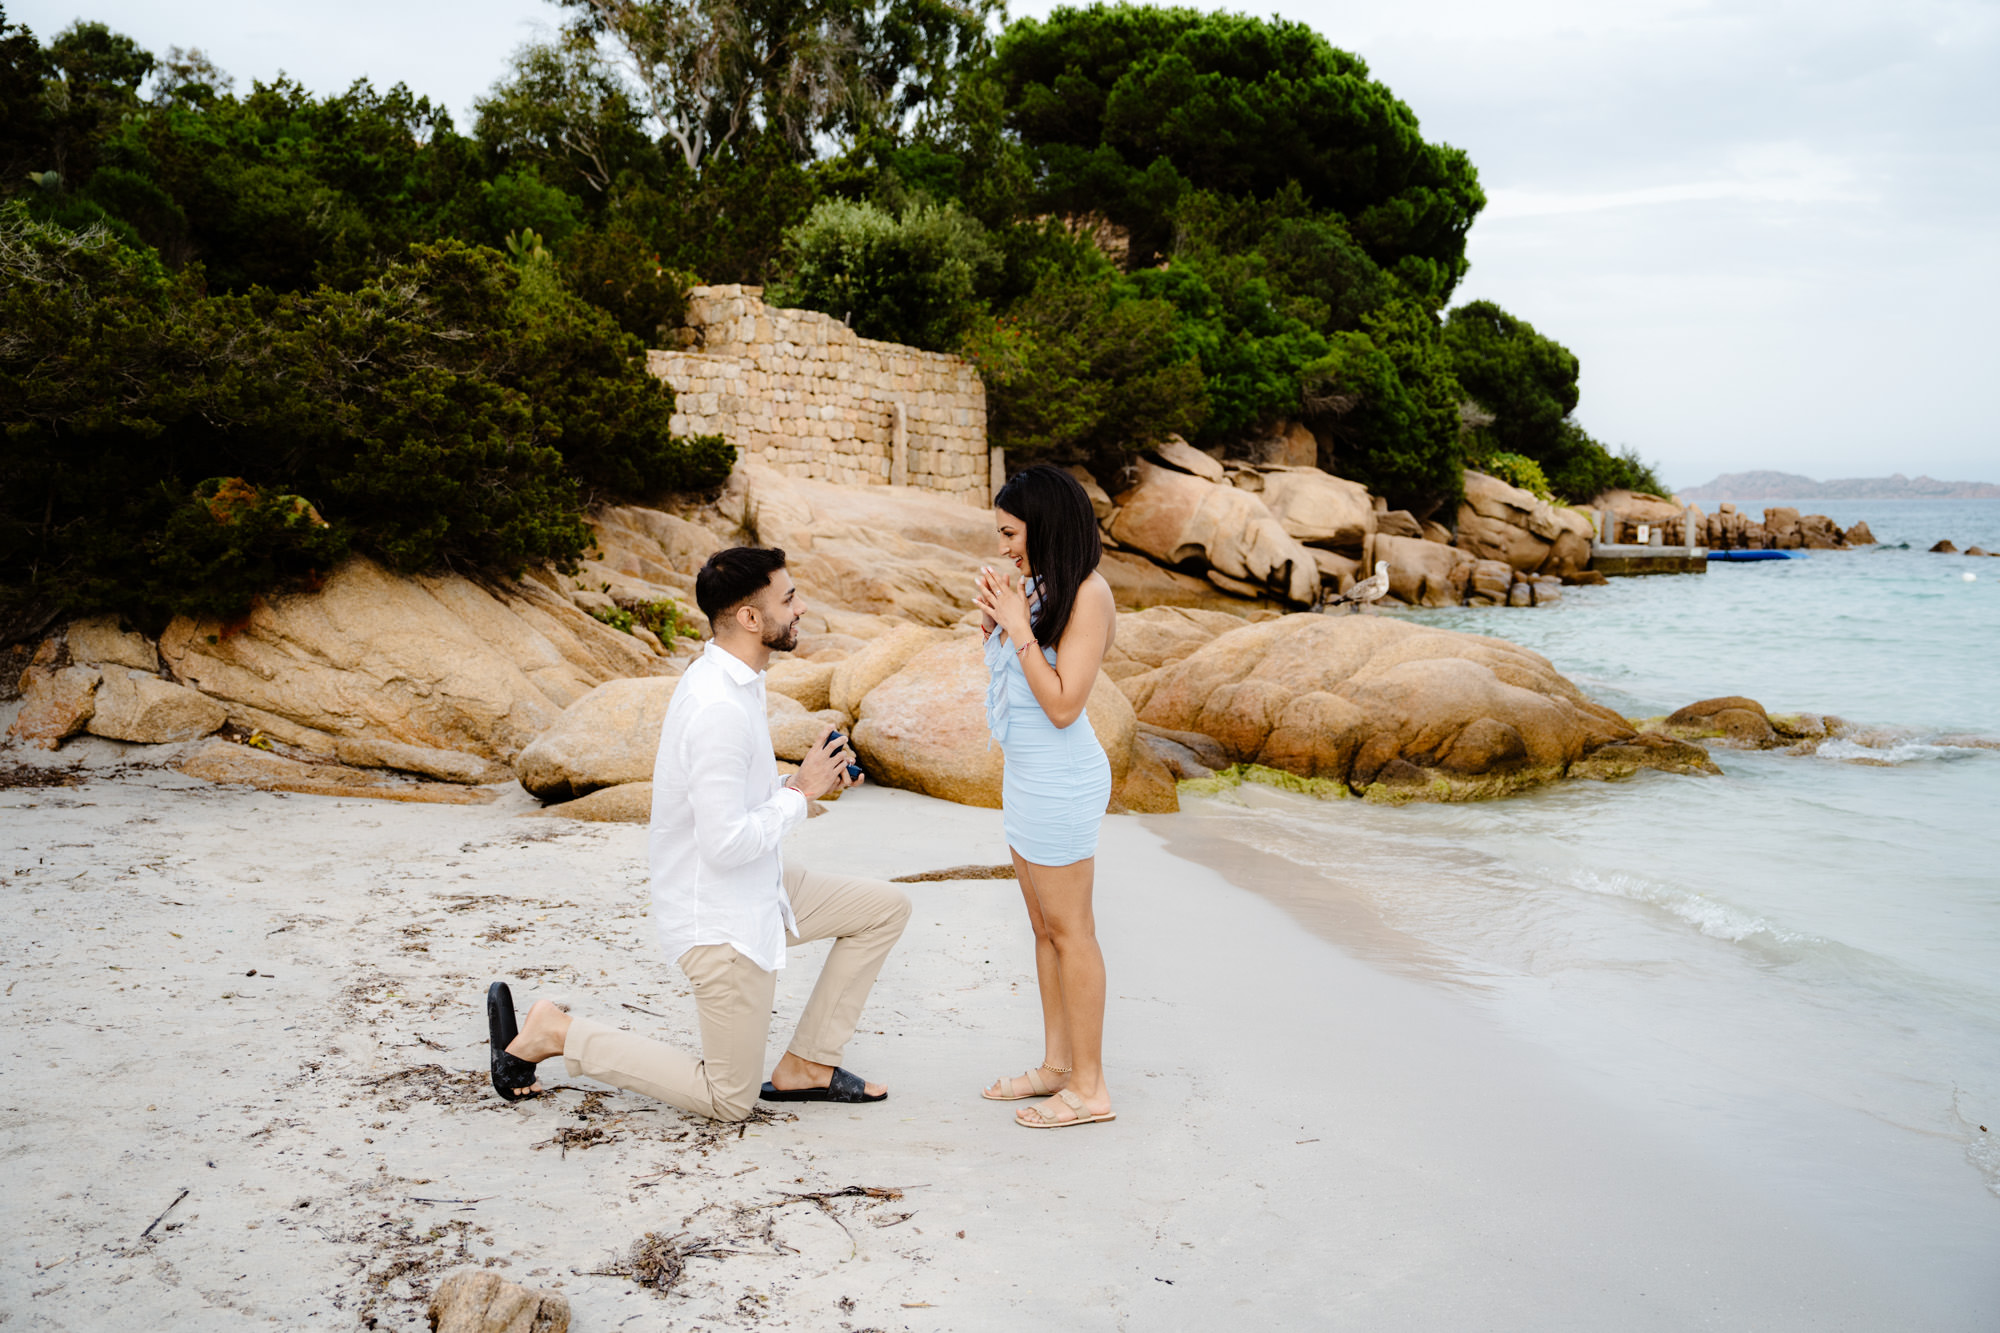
(476, 1300)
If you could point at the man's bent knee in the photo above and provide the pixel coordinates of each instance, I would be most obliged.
(734, 1110)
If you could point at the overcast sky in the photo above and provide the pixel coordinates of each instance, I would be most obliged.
(1770, 229)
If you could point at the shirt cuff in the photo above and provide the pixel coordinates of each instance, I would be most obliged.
(794, 810)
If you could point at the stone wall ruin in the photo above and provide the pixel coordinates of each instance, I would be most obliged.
(800, 392)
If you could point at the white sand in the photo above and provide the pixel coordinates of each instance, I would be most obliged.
(1304, 1141)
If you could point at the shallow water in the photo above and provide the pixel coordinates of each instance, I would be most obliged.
(1797, 964)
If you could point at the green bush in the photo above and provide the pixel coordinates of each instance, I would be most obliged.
(666, 619)
(1516, 470)
(615, 616)
(1582, 468)
(206, 551)
(616, 269)
(453, 411)
(1386, 396)
(909, 277)
(1083, 371)
(1250, 341)
(1529, 383)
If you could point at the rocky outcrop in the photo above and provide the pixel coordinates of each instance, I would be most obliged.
(1738, 723)
(1153, 638)
(1138, 582)
(1783, 528)
(1315, 507)
(1149, 787)
(1289, 444)
(853, 678)
(242, 765)
(1623, 759)
(1197, 524)
(1392, 709)
(809, 682)
(1487, 583)
(444, 765)
(138, 706)
(1423, 573)
(436, 661)
(1520, 529)
(794, 731)
(608, 737)
(1733, 719)
(1399, 523)
(627, 803)
(56, 704)
(101, 641)
(887, 550)
(924, 727)
(1178, 454)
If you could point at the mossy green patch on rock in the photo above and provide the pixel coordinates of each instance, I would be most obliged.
(1325, 789)
(1618, 761)
(1452, 787)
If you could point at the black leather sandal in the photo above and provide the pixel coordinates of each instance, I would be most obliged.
(512, 1076)
(843, 1087)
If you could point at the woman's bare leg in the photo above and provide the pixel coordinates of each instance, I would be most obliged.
(1048, 979)
(1063, 895)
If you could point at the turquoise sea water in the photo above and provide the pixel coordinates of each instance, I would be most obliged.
(1796, 966)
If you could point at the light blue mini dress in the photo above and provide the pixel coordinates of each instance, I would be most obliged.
(1057, 780)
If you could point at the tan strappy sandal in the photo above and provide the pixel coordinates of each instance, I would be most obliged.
(1034, 1117)
(1034, 1077)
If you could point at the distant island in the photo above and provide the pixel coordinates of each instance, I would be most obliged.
(1792, 486)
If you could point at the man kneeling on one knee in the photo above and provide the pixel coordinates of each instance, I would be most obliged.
(725, 905)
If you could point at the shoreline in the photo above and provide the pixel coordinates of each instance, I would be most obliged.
(1300, 1132)
(1626, 1014)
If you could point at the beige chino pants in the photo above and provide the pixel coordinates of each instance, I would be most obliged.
(863, 917)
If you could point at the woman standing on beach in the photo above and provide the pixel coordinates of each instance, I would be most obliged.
(1046, 636)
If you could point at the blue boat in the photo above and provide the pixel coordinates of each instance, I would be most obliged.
(1757, 555)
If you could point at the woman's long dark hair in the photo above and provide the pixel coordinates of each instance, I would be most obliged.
(1063, 545)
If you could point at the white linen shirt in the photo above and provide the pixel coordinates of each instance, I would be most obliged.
(719, 814)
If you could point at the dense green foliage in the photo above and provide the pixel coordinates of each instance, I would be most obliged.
(1084, 368)
(234, 350)
(1127, 109)
(908, 278)
(244, 333)
(169, 450)
(1529, 385)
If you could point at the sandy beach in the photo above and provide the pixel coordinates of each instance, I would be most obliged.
(272, 1003)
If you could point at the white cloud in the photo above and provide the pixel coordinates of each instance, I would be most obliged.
(1765, 174)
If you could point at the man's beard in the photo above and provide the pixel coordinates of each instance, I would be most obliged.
(784, 640)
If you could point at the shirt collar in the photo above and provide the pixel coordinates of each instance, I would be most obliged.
(738, 670)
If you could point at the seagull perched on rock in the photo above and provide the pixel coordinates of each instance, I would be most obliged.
(1371, 589)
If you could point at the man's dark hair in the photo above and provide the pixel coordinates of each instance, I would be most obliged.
(1063, 545)
(732, 577)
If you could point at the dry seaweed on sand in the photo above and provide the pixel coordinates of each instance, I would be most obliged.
(15, 776)
(956, 872)
(823, 1200)
(578, 1137)
(658, 1262)
(429, 1083)
(398, 1263)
